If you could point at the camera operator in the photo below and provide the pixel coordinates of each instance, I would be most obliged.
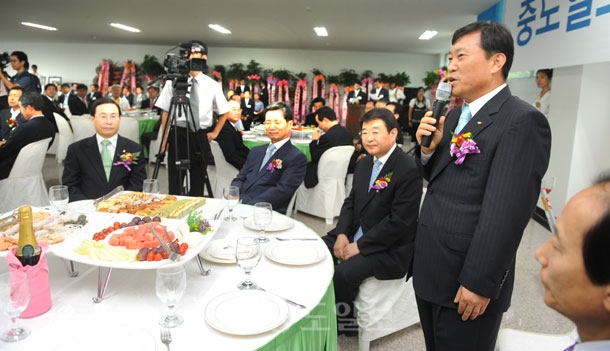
(26, 80)
(209, 97)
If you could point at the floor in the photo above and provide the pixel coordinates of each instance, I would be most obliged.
(528, 311)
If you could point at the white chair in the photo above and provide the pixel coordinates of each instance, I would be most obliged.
(65, 138)
(290, 208)
(130, 129)
(349, 180)
(326, 198)
(25, 184)
(517, 340)
(225, 172)
(153, 149)
(384, 307)
(82, 127)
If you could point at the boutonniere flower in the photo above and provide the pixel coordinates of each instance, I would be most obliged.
(462, 145)
(127, 159)
(12, 122)
(275, 164)
(382, 182)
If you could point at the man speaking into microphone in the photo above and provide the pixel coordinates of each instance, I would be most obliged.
(484, 167)
(206, 96)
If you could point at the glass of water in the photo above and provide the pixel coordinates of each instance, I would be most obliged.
(150, 186)
(59, 197)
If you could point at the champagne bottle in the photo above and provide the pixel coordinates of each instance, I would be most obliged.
(28, 251)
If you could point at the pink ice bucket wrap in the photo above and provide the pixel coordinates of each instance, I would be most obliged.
(40, 291)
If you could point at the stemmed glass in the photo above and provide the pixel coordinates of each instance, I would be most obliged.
(170, 284)
(263, 213)
(59, 197)
(14, 298)
(150, 186)
(247, 255)
(231, 194)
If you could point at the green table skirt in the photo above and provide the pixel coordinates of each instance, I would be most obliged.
(145, 126)
(316, 331)
(303, 147)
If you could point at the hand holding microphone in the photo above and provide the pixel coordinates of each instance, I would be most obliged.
(443, 93)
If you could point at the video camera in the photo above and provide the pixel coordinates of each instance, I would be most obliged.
(5, 59)
(180, 64)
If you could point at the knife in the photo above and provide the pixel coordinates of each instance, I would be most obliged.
(114, 191)
(12, 216)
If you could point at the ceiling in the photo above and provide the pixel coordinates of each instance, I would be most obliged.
(353, 25)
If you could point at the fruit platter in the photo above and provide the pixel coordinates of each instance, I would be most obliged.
(128, 242)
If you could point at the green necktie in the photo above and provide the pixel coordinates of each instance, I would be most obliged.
(106, 157)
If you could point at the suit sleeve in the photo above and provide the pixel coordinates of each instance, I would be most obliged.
(292, 176)
(72, 175)
(138, 172)
(520, 162)
(240, 179)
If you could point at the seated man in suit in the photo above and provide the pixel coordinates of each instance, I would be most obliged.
(334, 135)
(316, 104)
(36, 128)
(94, 94)
(96, 165)
(11, 117)
(575, 264)
(146, 138)
(230, 139)
(376, 229)
(272, 173)
(115, 95)
(78, 103)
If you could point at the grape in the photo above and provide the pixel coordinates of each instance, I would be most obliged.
(146, 219)
(142, 254)
(141, 222)
(156, 219)
(136, 219)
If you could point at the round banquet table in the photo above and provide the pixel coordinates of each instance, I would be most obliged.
(130, 310)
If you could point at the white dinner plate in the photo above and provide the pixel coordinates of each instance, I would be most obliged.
(246, 312)
(82, 206)
(295, 252)
(220, 251)
(278, 223)
(110, 338)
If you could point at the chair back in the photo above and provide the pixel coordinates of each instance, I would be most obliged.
(82, 127)
(130, 129)
(225, 172)
(30, 159)
(334, 161)
(66, 137)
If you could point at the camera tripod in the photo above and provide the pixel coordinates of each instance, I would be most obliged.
(180, 106)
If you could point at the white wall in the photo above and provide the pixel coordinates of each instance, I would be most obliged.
(77, 62)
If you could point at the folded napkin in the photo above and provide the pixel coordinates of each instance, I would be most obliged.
(38, 275)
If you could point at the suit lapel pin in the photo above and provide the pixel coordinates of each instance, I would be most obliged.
(479, 122)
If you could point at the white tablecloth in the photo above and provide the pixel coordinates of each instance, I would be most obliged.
(131, 307)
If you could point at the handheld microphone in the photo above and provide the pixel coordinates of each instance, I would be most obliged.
(443, 93)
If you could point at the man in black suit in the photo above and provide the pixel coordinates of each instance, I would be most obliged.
(376, 228)
(149, 103)
(11, 117)
(479, 198)
(36, 128)
(241, 88)
(64, 97)
(50, 91)
(379, 92)
(78, 103)
(272, 173)
(356, 96)
(247, 106)
(94, 93)
(334, 135)
(96, 165)
(230, 139)
(316, 104)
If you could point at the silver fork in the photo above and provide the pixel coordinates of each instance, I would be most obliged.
(166, 337)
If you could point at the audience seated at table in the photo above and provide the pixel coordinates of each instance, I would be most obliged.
(316, 104)
(115, 95)
(334, 135)
(11, 117)
(78, 103)
(230, 139)
(96, 165)
(272, 173)
(36, 128)
(376, 229)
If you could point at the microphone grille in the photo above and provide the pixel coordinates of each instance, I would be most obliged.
(443, 91)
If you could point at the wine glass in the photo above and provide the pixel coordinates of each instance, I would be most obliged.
(247, 255)
(170, 284)
(231, 194)
(262, 216)
(14, 298)
(150, 186)
(59, 197)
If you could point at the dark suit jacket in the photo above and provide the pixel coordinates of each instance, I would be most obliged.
(264, 96)
(388, 218)
(35, 129)
(361, 96)
(146, 104)
(232, 145)
(49, 108)
(474, 214)
(310, 119)
(77, 106)
(91, 97)
(239, 91)
(336, 136)
(275, 187)
(248, 108)
(84, 172)
(382, 94)
(5, 130)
